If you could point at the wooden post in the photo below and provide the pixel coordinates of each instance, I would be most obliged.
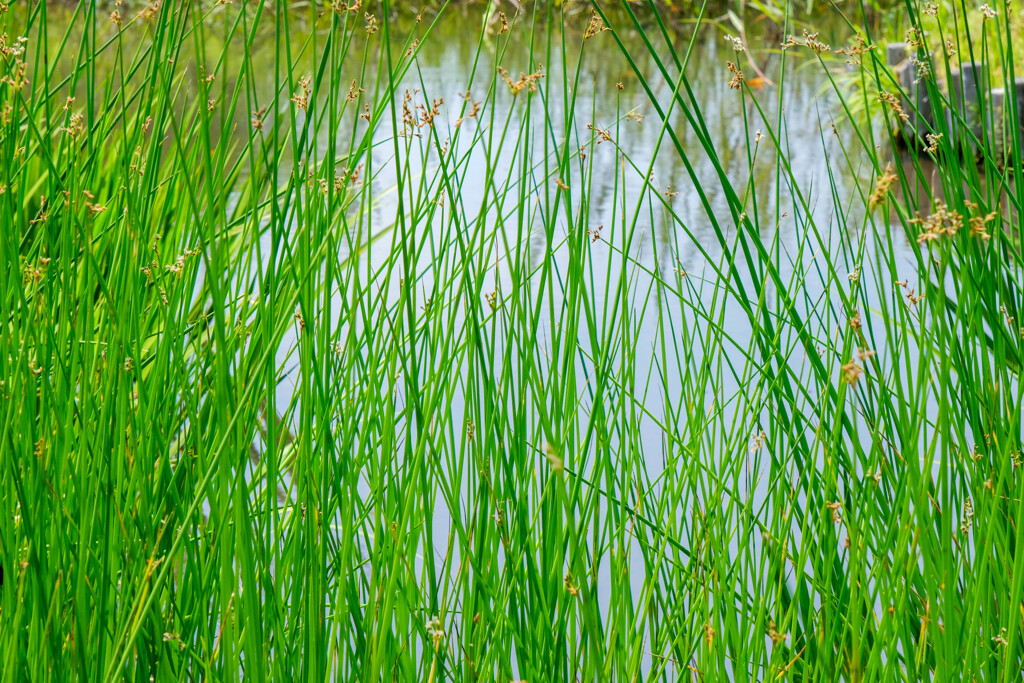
(1003, 118)
(895, 53)
(914, 98)
(973, 81)
(896, 57)
(922, 116)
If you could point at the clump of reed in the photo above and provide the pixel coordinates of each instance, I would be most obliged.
(325, 375)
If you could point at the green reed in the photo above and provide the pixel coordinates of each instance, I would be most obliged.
(330, 379)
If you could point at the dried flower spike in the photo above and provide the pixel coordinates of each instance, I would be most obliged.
(737, 76)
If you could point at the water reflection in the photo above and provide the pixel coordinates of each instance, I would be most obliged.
(609, 96)
(923, 186)
(654, 212)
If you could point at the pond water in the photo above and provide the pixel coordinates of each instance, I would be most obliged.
(655, 212)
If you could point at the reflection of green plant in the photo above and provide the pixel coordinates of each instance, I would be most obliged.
(859, 92)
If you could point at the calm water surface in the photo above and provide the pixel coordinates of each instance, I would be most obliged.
(640, 174)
